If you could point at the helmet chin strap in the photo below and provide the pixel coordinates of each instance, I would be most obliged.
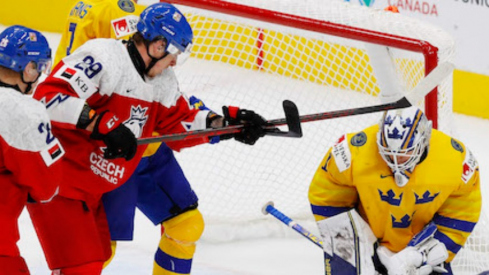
(29, 84)
(138, 61)
(153, 59)
(136, 58)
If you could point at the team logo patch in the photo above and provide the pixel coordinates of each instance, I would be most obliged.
(125, 25)
(426, 198)
(177, 17)
(457, 146)
(137, 120)
(33, 36)
(126, 5)
(404, 222)
(359, 139)
(389, 197)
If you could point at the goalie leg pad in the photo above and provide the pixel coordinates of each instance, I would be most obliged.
(348, 244)
(177, 245)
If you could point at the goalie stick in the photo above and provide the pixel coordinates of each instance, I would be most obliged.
(424, 87)
(269, 208)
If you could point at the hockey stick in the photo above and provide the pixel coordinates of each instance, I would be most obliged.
(424, 87)
(292, 120)
(268, 208)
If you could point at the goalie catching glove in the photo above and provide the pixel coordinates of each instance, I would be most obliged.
(253, 124)
(120, 141)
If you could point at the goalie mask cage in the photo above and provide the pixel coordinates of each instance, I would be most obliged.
(320, 55)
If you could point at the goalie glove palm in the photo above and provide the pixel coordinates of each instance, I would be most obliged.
(253, 124)
(120, 141)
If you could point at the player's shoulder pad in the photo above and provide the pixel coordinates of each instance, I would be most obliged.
(165, 88)
(23, 121)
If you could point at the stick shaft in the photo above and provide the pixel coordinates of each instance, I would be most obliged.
(425, 86)
(295, 226)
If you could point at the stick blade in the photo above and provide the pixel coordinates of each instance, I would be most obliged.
(427, 84)
(293, 122)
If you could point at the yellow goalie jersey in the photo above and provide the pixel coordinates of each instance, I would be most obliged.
(443, 188)
(90, 19)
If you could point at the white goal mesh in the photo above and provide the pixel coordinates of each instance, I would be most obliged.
(314, 54)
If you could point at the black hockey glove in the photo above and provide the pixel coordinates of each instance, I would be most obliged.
(253, 124)
(120, 141)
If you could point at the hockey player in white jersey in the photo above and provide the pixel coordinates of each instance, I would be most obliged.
(29, 153)
(101, 98)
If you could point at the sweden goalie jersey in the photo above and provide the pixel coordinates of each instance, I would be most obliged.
(443, 188)
(90, 19)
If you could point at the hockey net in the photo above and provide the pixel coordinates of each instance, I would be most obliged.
(317, 55)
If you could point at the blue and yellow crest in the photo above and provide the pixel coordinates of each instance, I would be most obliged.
(359, 139)
(457, 146)
(126, 5)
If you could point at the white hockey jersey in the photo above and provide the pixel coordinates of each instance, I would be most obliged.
(30, 153)
(102, 74)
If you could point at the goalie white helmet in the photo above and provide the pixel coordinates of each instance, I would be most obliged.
(403, 138)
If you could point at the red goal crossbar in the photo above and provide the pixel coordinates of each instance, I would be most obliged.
(429, 51)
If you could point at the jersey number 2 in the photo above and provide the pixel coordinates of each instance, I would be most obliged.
(45, 127)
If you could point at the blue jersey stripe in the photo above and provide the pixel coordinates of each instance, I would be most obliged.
(173, 264)
(449, 243)
(328, 211)
(454, 223)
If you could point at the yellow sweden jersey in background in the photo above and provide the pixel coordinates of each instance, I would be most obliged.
(443, 188)
(90, 19)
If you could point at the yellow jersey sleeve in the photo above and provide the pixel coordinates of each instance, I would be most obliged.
(90, 19)
(460, 212)
(331, 191)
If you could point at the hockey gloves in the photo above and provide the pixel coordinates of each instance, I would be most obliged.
(253, 124)
(120, 141)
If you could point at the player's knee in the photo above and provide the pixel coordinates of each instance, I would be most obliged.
(186, 227)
